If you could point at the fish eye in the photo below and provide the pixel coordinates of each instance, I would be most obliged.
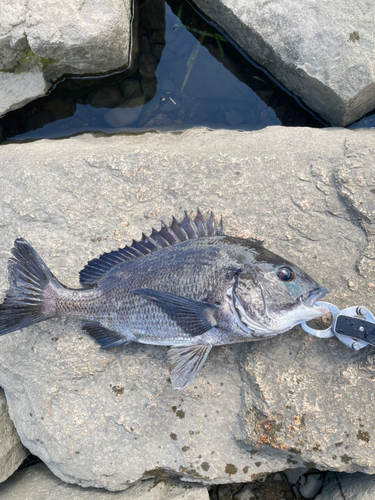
(285, 274)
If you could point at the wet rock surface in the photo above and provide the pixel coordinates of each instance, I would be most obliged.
(321, 52)
(109, 418)
(12, 453)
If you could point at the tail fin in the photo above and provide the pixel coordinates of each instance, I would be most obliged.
(28, 276)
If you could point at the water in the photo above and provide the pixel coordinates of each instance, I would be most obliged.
(183, 74)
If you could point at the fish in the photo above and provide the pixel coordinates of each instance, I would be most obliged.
(187, 286)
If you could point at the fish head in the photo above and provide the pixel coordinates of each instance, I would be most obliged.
(271, 295)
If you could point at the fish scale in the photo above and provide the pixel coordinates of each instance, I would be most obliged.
(187, 286)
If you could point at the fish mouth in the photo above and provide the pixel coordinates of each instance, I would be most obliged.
(314, 296)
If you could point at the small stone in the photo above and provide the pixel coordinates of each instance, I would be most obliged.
(130, 88)
(145, 45)
(293, 475)
(108, 97)
(158, 36)
(38, 121)
(280, 112)
(352, 286)
(234, 118)
(149, 87)
(313, 484)
(226, 491)
(147, 65)
(263, 115)
(252, 116)
(133, 103)
(148, 110)
(288, 495)
(265, 95)
(157, 50)
(246, 493)
(302, 480)
(59, 108)
(153, 15)
(122, 117)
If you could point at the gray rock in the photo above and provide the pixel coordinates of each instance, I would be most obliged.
(349, 486)
(133, 102)
(322, 52)
(17, 89)
(37, 482)
(147, 66)
(149, 87)
(69, 33)
(59, 108)
(312, 486)
(12, 453)
(157, 50)
(65, 37)
(12, 36)
(108, 418)
(234, 118)
(246, 493)
(293, 475)
(130, 88)
(38, 120)
(107, 97)
(122, 117)
(153, 16)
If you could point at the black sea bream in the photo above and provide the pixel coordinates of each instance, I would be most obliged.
(187, 286)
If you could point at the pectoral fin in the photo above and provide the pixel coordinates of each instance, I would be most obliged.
(185, 361)
(192, 316)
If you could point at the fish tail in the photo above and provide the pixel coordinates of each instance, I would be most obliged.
(31, 285)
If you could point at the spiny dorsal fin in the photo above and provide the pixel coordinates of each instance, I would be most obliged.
(177, 232)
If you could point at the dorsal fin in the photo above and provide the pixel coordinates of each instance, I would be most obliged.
(177, 232)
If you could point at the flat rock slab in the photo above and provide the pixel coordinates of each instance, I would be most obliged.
(37, 482)
(61, 38)
(12, 452)
(323, 52)
(110, 418)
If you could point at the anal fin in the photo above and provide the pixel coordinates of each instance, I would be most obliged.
(103, 336)
(185, 361)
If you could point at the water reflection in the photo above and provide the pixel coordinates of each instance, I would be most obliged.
(184, 73)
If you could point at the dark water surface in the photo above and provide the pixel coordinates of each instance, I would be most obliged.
(184, 73)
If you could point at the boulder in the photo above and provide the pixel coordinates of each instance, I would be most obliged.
(109, 418)
(55, 38)
(17, 89)
(12, 453)
(320, 51)
(350, 486)
(37, 482)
